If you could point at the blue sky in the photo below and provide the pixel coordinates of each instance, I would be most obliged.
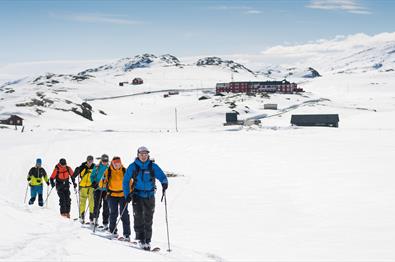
(78, 30)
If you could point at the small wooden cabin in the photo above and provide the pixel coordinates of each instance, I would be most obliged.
(137, 81)
(13, 120)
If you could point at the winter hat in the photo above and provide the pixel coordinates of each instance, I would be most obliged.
(62, 161)
(104, 158)
(142, 149)
(89, 158)
(116, 160)
(39, 161)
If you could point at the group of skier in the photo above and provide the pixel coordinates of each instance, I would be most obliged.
(108, 186)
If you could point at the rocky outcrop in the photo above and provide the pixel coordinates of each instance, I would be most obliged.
(217, 61)
(84, 110)
(311, 73)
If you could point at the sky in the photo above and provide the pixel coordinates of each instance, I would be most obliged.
(36, 30)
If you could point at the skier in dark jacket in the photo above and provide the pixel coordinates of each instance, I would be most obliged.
(36, 177)
(142, 173)
(62, 174)
(100, 192)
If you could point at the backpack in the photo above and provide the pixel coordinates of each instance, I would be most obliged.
(108, 180)
(136, 172)
(57, 174)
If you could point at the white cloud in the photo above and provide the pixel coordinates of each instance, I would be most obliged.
(248, 10)
(97, 18)
(350, 6)
(253, 12)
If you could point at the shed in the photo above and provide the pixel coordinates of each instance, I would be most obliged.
(270, 106)
(231, 117)
(122, 83)
(137, 81)
(316, 120)
(12, 120)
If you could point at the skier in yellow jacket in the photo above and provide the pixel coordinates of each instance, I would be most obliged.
(116, 199)
(36, 177)
(85, 189)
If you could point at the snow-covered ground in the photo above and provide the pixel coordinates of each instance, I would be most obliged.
(259, 193)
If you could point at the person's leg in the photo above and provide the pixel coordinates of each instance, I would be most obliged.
(138, 218)
(62, 199)
(83, 198)
(149, 208)
(113, 205)
(40, 195)
(125, 217)
(91, 202)
(33, 194)
(106, 211)
(68, 200)
(97, 204)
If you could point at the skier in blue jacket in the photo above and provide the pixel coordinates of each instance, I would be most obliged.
(140, 176)
(100, 193)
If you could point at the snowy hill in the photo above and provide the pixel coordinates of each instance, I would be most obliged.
(358, 53)
(269, 192)
(139, 61)
(34, 95)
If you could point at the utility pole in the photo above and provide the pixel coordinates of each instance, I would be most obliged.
(175, 114)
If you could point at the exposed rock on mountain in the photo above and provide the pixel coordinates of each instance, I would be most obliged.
(217, 61)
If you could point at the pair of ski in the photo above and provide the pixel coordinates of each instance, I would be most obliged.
(133, 244)
(90, 225)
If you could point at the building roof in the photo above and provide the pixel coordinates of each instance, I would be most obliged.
(320, 118)
(264, 82)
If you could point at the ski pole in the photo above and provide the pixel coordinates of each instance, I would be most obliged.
(47, 189)
(27, 187)
(78, 200)
(119, 219)
(167, 222)
(46, 200)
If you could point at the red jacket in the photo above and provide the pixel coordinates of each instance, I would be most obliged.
(62, 173)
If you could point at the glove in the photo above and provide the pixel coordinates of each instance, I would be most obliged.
(52, 184)
(95, 185)
(129, 198)
(47, 183)
(164, 187)
(28, 178)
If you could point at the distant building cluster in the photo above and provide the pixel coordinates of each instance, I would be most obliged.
(135, 81)
(258, 87)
